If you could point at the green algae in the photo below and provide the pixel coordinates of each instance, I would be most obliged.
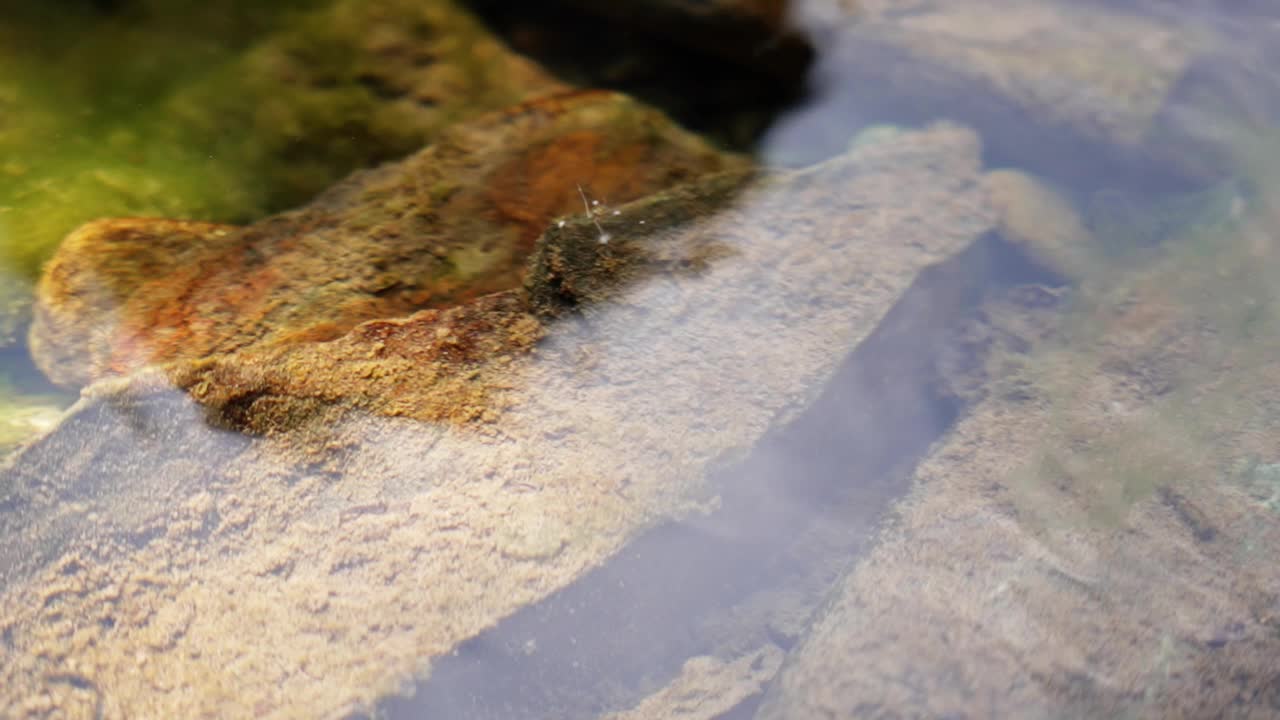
(220, 111)
(1188, 315)
(82, 131)
(1126, 226)
(223, 110)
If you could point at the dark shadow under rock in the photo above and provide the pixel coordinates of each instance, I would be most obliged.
(725, 73)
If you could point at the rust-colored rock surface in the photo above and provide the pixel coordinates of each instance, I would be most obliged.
(406, 486)
(452, 222)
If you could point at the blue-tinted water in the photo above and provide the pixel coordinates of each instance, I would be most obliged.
(984, 432)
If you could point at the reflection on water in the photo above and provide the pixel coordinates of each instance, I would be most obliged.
(955, 401)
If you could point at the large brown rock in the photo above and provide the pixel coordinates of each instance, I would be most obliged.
(406, 486)
(453, 222)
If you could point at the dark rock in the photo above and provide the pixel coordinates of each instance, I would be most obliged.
(755, 33)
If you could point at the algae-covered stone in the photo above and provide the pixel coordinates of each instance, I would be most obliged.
(228, 110)
(348, 86)
(1128, 224)
(455, 221)
(420, 478)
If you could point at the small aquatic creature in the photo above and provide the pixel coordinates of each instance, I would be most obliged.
(591, 213)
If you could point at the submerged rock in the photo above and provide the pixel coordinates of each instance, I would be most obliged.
(455, 221)
(416, 480)
(1080, 546)
(1081, 92)
(1043, 223)
(708, 687)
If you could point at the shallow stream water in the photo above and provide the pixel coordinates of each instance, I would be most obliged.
(921, 366)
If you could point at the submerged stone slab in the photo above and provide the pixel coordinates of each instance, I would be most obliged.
(1078, 91)
(455, 221)
(708, 687)
(408, 485)
(749, 574)
(1096, 539)
(1043, 223)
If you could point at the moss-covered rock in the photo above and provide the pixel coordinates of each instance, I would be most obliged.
(227, 110)
(453, 222)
